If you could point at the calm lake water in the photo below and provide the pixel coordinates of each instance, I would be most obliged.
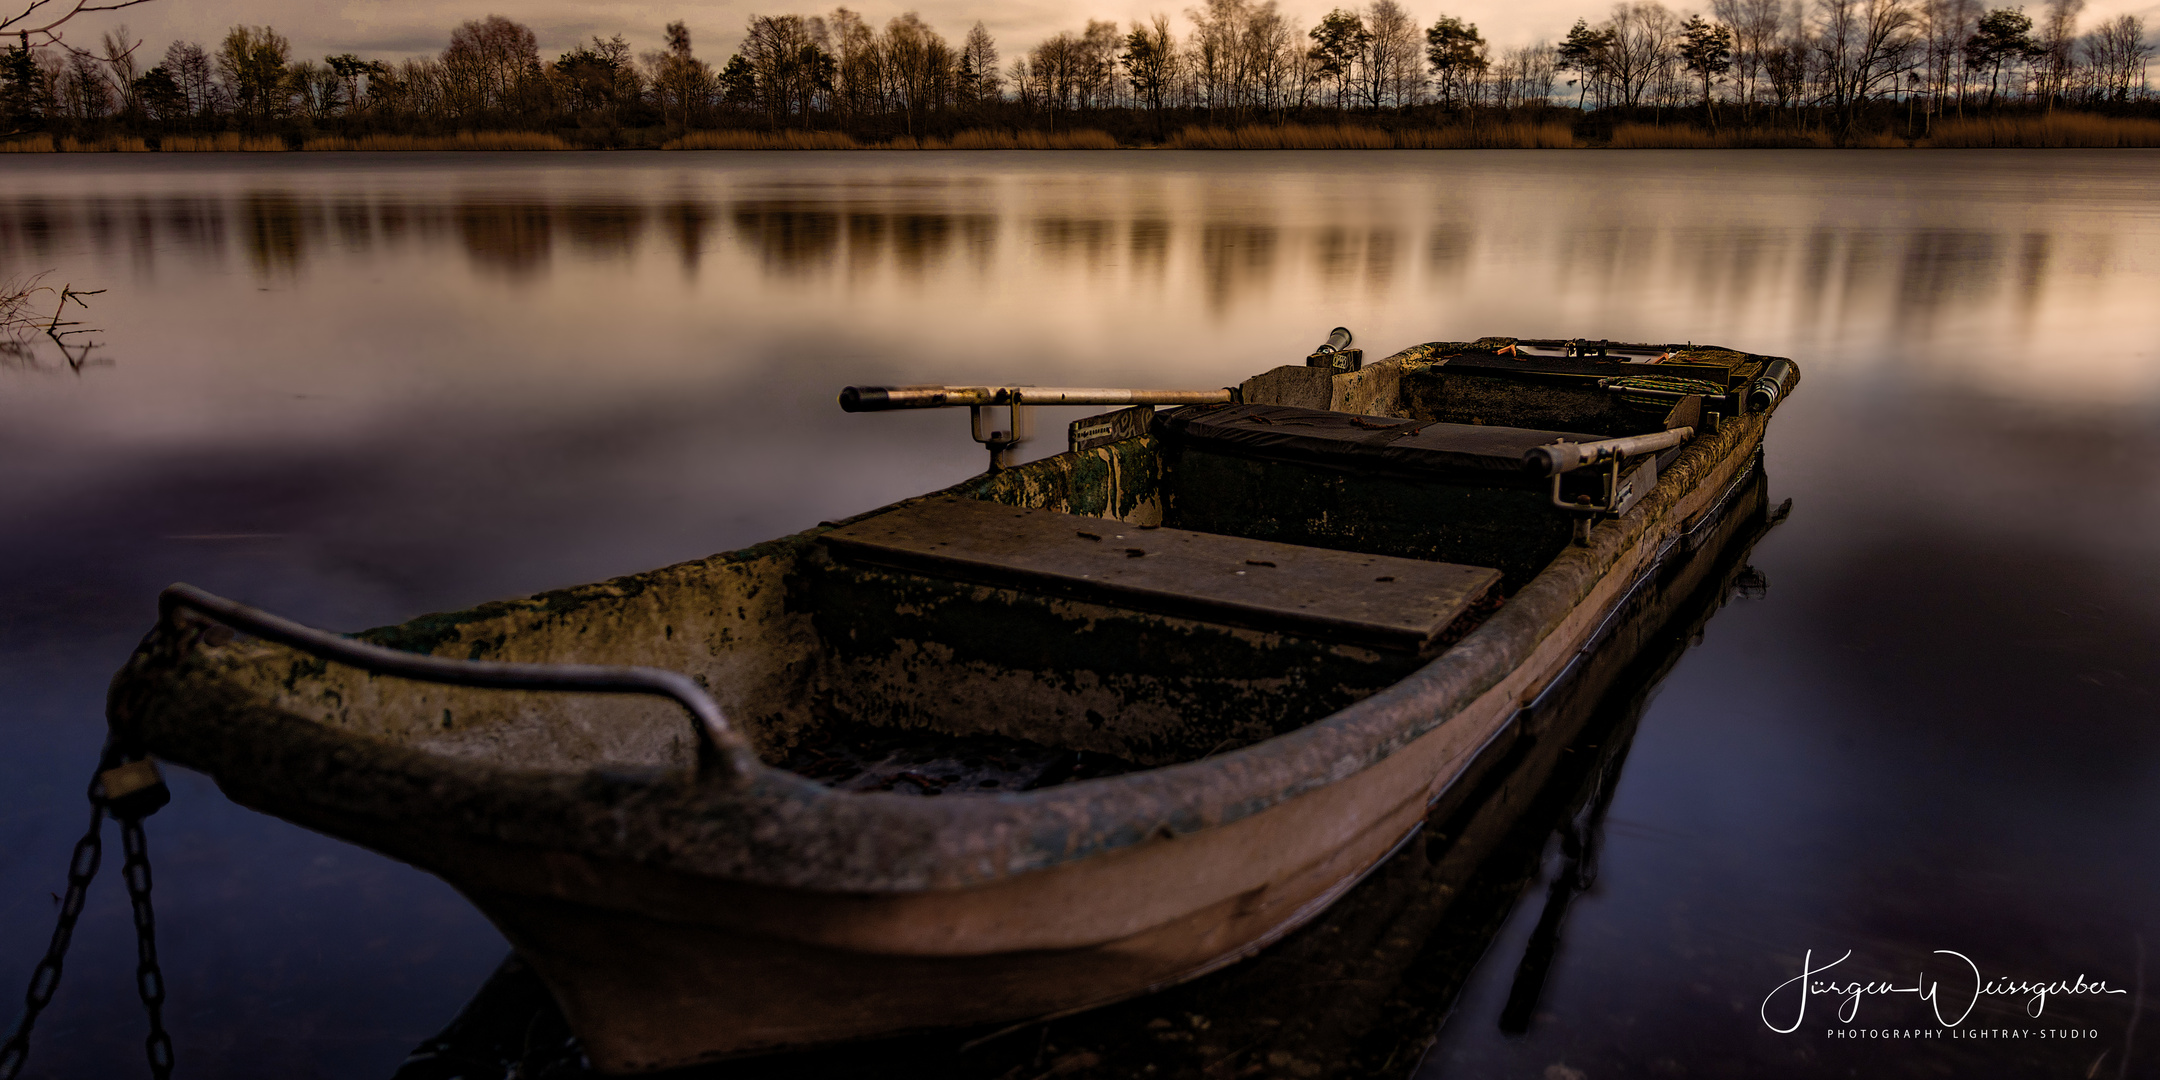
(355, 388)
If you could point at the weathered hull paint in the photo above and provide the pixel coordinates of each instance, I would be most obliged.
(678, 923)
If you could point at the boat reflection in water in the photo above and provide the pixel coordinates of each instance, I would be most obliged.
(1361, 990)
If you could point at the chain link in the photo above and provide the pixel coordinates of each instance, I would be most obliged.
(82, 867)
(149, 980)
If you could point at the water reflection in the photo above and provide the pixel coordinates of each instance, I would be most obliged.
(1212, 245)
(355, 388)
(788, 239)
(279, 230)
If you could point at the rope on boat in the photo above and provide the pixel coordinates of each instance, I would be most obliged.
(720, 746)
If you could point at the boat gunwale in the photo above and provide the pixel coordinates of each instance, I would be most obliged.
(779, 829)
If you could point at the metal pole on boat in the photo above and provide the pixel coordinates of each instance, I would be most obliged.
(890, 398)
(721, 749)
(1562, 456)
(1015, 400)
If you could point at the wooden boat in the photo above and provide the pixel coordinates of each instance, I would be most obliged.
(1361, 990)
(1059, 735)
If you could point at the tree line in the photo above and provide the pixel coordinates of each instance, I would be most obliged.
(1838, 65)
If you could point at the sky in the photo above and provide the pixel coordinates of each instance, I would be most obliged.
(395, 29)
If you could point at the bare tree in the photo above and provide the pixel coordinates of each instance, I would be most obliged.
(979, 79)
(118, 52)
(1862, 46)
(2118, 54)
(1392, 74)
(1643, 33)
(922, 66)
(859, 76)
(789, 57)
(1755, 25)
(1150, 59)
(1216, 54)
(251, 62)
(194, 71)
(489, 66)
(1790, 61)
(2058, 47)
(1945, 26)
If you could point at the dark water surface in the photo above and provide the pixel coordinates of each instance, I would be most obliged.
(353, 388)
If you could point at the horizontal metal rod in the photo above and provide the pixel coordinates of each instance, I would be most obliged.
(887, 398)
(1715, 400)
(1559, 457)
(720, 746)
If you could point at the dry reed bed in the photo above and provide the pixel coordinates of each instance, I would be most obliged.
(834, 140)
(470, 140)
(43, 144)
(1356, 137)
(2060, 130)
(2056, 131)
(1689, 137)
(229, 142)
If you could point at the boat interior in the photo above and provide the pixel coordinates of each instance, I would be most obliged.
(1177, 584)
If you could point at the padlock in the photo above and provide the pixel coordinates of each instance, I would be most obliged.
(134, 790)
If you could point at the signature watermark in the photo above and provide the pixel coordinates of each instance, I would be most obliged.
(1951, 999)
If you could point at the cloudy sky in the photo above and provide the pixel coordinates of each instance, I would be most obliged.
(394, 29)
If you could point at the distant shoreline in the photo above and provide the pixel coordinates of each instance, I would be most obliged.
(2062, 130)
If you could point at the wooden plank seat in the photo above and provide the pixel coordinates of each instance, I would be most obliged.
(1373, 600)
(1475, 453)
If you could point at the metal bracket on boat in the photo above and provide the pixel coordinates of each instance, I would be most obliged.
(721, 749)
(1015, 400)
(1562, 457)
(1019, 427)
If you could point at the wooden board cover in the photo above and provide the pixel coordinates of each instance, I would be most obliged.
(1375, 600)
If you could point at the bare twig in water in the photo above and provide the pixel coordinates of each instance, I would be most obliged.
(21, 324)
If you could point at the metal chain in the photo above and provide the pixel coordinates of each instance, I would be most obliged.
(82, 866)
(149, 981)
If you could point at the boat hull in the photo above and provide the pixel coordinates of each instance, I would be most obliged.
(677, 922)
(656, 969)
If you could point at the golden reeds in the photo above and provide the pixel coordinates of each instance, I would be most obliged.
(973, 139)
(469, 140)
(1283, 137)
(1550, 135)
(1675, 137)
(35, 144)
(1359, 137)
(228, 142)
(1689, 137)
(2054, 131)
(109, 144)
(763, 140)
(980, 139)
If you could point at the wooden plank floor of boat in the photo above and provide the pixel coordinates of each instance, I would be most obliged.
(1374, 600)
